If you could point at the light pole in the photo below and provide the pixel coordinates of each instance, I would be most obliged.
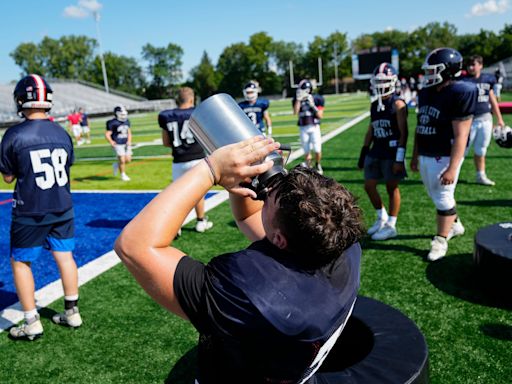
(102, 60)
(335, 54)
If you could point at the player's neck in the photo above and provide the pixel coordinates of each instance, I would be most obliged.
(35, 114)
(186, 105)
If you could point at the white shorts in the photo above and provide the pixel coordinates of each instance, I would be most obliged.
(123, 150)
(497, 89)
(431, 169)
(310, 138)
(179, 169)
(86, 129)
(480, 134)
(76, 129)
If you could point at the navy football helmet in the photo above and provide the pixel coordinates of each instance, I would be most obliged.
(304, 89)
(503, 136)
(121, 113)
(442, 64)
(33, 92)
(251, 90)
(384, 80)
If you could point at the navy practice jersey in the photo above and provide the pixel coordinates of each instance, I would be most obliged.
(436, 112)
(85, 120)
(386, 134)
(306, 114)
(255, 112)
(119, 130)
(260, 318)
(39, 153)
(484, 83)
(184, 145)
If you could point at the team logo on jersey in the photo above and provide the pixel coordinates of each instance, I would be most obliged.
(424, 119)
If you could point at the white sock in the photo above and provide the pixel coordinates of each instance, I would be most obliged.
(382, 214)
(28, 315)
(480, 173)
(123, 174)
(71, 297)
(392, 221)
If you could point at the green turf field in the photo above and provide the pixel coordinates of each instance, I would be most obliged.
(127, 338)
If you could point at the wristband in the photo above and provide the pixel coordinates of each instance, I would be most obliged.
(400, 155)
(207, 161)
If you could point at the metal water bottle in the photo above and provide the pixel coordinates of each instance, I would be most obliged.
(219, 121)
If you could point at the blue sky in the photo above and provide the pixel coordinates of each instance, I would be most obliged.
(198, 25)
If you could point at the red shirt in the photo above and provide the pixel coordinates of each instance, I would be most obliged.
(74, 118)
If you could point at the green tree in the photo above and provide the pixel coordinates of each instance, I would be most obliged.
(164, 67)
(124, 73)
(68, 57)
(205, 80)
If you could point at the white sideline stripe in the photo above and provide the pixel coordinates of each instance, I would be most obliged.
(53, 291)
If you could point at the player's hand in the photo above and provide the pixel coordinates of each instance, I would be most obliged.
(398, 167)
(414, 164)
(448, 176)
(239, 163)
(311, 100)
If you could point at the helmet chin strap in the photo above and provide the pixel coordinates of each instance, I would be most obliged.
(380, 106)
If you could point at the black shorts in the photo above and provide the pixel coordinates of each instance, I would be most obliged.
(28, 241)
(381, 169)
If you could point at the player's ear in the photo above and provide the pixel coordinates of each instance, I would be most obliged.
(279, 240)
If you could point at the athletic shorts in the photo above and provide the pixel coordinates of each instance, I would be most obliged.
(76, 129)
(310, 138)
(123, 150)
(86, 129)
(381, 169)
(480, 134)
(28, 241)
(431, 169)
(179, 169)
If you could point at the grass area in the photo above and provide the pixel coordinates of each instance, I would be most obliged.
(128, 338)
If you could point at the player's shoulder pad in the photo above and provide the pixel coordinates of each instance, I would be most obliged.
(319, 100)
(488, 78)
(463, 88)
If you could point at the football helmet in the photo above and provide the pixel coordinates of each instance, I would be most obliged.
(442, 64)
(251, 90)
(503, 136)
(304, 89)
(384, 80)
(33, 92)
(121, 113)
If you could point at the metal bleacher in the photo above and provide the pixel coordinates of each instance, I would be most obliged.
(70, 95)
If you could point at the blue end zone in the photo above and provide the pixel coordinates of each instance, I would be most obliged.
(99, 218)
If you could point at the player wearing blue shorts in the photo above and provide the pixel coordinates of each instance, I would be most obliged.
(38, 153)
(445, 112)
(186, 151)
(256, 108)
(384, 161)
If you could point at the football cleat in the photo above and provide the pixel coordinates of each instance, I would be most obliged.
(70, 317)
(319, 169)
(377, 226)
(484, 180)
(30, 329)
(203, 225)
(457, 229)
(439, 247)
(386, 232)
(124, 177)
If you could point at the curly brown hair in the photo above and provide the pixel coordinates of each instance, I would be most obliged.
(318, 216)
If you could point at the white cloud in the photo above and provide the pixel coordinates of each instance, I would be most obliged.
(90, 5)
(75, 12)
(83, 9)
(489, 7)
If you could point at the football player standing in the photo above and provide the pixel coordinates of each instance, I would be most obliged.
(487, 105)
(310, 109)
(186, 151)
(385, 159)
(119, 135)
(256, 108)
(38, 154)
(445, 112)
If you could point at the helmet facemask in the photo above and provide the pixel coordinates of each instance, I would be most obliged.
(383, 85)
(250, 94)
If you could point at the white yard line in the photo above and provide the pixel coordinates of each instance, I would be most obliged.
(53, 291)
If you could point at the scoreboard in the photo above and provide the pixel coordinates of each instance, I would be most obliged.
(364, 62)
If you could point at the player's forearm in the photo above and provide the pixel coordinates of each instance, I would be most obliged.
(296, 107)
(461, 134)
(495, 108)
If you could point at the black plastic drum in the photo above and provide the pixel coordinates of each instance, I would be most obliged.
(378, 345)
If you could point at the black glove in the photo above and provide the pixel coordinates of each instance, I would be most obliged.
(364, 151)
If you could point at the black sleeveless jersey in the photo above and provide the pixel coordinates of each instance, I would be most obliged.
(260, 318)
(386, 134)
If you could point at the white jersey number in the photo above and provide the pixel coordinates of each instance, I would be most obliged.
(54, 171)
(178, 137)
